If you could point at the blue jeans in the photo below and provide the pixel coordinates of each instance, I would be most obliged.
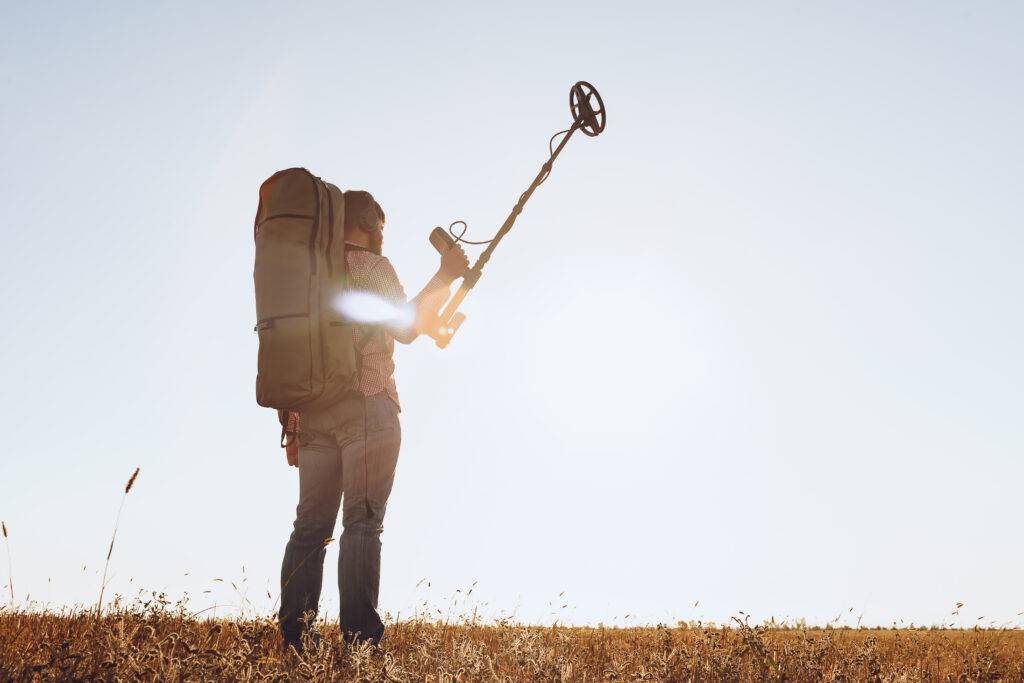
(348, 451)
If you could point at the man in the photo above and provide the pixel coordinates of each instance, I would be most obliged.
(348, 452)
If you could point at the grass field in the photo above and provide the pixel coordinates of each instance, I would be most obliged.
(159, 642)
(153, 639)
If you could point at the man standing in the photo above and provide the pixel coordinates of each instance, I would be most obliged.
(347, 453)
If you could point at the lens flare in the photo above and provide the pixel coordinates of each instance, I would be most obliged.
(366, 307)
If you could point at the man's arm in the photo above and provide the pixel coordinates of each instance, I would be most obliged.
(428, 302)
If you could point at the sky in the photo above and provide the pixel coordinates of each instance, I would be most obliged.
(754, 349)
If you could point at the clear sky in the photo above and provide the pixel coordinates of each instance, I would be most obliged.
(757, 346)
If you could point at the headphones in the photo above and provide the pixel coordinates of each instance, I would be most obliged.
(369, 217)
(368, 220)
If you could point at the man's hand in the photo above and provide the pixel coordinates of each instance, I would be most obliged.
(428, 322)
(454, 264)
(292, 451)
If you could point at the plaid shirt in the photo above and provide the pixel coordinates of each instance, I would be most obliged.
(372, 273)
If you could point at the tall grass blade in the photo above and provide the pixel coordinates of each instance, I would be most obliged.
(110, 550)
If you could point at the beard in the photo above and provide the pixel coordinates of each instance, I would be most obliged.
(377, 242)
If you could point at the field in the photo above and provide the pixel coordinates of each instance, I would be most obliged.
(159, 642)
(155, 640)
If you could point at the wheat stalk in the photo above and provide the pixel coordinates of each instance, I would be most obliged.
(10, 572)
(110, 550)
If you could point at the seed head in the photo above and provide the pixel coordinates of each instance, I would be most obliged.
(5, 529)
(131, 480)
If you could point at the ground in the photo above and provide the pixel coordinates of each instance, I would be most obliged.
(162, 644)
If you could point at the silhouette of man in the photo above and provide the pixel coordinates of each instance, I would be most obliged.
(346, 454)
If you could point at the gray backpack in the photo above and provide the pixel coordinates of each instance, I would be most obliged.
(307, 359)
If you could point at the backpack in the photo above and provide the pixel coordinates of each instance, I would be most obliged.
(307, 359)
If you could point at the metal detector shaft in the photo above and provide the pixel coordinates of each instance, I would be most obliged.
(587, 118)
(469, 280)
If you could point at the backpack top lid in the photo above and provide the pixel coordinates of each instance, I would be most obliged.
(292, 191)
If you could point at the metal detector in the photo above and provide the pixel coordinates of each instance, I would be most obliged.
(586, 117)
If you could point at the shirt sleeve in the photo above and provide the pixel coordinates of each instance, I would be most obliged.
(383, 279)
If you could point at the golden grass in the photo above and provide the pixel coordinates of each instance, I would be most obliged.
(155, 641)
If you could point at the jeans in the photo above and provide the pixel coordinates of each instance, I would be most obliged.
(346, 452)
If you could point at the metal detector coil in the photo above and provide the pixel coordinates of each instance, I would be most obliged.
(589, 120)
(588, 115)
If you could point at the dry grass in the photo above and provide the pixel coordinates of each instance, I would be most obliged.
(10, 570)
(110, 551)
(155, 640)
(158, 641)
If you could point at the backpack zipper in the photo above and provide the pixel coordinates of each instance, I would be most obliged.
(316, 226)
(330, 237)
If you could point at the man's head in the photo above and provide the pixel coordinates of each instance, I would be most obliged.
(364, 220)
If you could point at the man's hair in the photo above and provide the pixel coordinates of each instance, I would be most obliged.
(360, 207)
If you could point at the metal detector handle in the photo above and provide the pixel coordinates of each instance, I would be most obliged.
(447, 330)
(450, 319)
